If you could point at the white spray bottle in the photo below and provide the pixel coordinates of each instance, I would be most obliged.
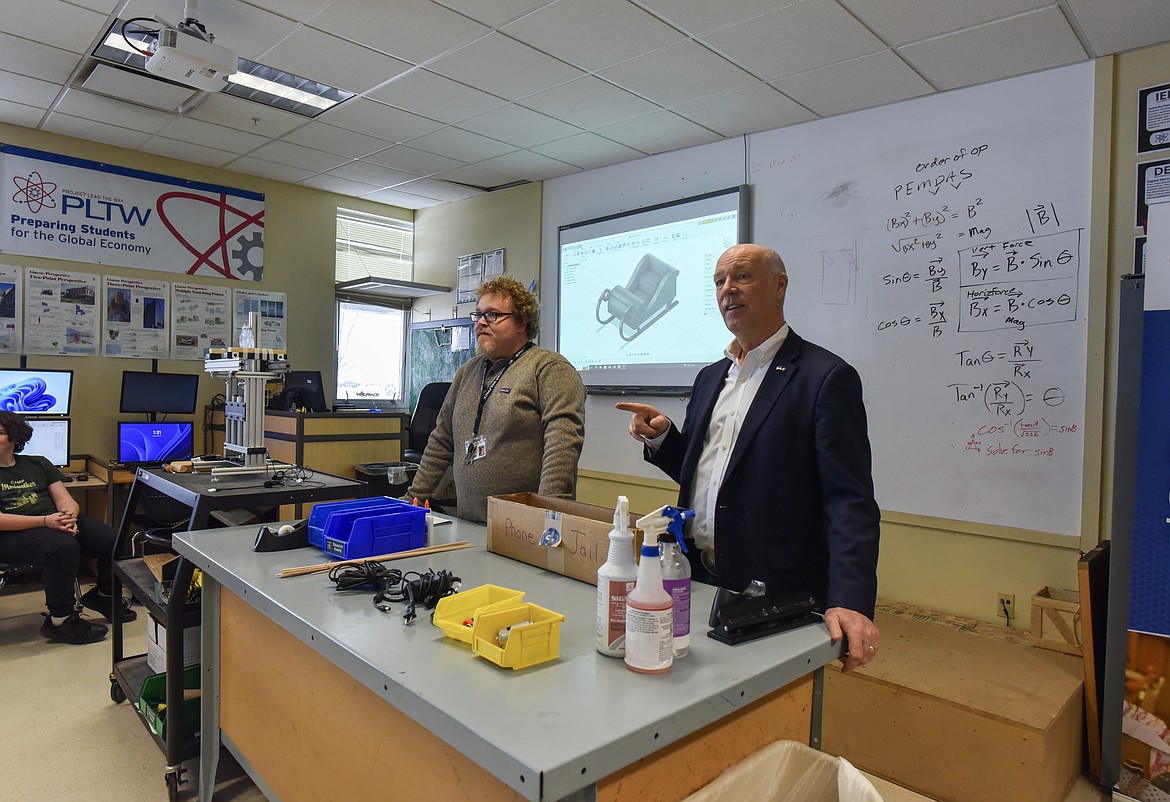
(615, 579)
(665, 525)
(649, 618)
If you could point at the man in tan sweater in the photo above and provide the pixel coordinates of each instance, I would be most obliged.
(514, 418)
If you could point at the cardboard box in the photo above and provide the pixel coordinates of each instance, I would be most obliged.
(156, 645)
(525, 527)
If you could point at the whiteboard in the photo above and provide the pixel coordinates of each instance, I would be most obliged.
(941, 246)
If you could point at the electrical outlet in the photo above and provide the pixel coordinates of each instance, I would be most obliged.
(1005, 606)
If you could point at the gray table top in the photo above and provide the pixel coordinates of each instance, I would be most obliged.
(545, 731)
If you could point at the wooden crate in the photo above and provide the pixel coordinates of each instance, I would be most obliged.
(959, 716)
(1056, 620)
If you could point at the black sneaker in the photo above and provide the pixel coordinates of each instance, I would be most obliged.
(101, 604)
(74, 629)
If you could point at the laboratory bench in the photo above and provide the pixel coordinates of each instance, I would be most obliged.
(319, 695)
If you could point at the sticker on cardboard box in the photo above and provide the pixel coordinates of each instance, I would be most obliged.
(552, 529)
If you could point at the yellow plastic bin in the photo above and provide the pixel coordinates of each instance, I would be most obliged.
(533, 635)
(452, 611)
(788, 770)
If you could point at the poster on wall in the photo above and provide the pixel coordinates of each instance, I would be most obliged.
(271, 306)
(200, 319)
(11, 330)
(134, 318)
(1153, 118)
(1153, 186)
(61, 207)
(61, 315)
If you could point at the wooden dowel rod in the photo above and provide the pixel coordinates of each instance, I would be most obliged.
(400, 555)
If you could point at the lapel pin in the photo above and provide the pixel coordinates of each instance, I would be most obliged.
(781, 368)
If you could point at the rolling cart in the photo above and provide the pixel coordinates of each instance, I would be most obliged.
(201, 495)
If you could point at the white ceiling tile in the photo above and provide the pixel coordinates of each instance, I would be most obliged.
(412, 30)
(95, 131)
(519, 126)
(198, 132)
(20, 114)
(658, 133)
(115, 112)
(374, 174)
(379, 120)
(315, 161)
(676, 74)
(331, 139)
(593, 34)
(26, 57)
(106, 7)
(589, 102)
(477, 176)
(757, 108)
(900, 22)
(55, 23)
(439, 190)
(1022, 44)
(412, 160)
(297, 10)
(404, 200)
(801, 37)
(435, 96)
(1114, 27)
(342, 186)
(700, 16)
(588, 151)
(528, 165)
(188, 152)
(320, 57)
(860, 83)
(267, 169)
(494, 12)
(245, 115)
(461, 145)
(26, 90)
(504, 67)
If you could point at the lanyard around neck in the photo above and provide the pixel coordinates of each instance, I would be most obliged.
(486, 391)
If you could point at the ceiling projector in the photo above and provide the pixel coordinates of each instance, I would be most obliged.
(191, 61)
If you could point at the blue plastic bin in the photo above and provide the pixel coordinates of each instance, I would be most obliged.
(352, 530)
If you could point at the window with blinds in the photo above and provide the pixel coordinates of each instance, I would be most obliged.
(369, 245)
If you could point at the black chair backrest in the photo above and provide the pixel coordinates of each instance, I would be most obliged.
(426, 414)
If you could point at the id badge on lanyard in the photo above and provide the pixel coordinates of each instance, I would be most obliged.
(475, 449)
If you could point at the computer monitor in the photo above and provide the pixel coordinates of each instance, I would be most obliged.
(50, 439)
(302, 390)
(35, 392)
(162, 393)
(148, 442)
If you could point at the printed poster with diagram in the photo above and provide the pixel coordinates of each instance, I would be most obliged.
(200, 319)
(134, 318)
(61, 315)
(11, 330)
(271, 306)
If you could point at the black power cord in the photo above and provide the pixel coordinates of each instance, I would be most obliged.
(391, 585)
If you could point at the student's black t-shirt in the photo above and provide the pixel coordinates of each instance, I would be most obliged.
(24, 488)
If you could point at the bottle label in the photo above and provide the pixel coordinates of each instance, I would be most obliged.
(611, 614)
(680, 595)
(649, 642)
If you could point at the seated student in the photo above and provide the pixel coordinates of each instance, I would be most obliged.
(39, 525)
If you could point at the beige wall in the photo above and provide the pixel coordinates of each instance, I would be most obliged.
(300, 232)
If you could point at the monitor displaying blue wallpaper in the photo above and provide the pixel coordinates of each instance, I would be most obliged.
(35, 392)
(146, 442)
(50, 439)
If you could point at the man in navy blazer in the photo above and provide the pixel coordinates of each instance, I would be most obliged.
(774, 458)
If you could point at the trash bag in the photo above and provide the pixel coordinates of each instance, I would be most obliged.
(788, 770)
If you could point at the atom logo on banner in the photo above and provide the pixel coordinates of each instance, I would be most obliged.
(34, 192)
(216, 256)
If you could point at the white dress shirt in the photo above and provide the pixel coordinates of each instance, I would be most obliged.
(743, 381)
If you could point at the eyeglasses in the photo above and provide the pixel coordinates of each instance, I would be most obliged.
(490, 317)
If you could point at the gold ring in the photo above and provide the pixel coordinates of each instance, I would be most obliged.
(873, 648)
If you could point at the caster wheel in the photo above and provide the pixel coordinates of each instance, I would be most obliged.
(172, 787)
(116, 693)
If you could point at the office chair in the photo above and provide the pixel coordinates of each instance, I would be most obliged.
(650, 293)
(159, 517)
(422, 423)
(12, 572)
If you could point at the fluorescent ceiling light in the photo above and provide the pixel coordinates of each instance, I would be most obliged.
(392, 288)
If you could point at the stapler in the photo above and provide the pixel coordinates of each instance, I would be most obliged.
(288, 536)
(741, 617)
